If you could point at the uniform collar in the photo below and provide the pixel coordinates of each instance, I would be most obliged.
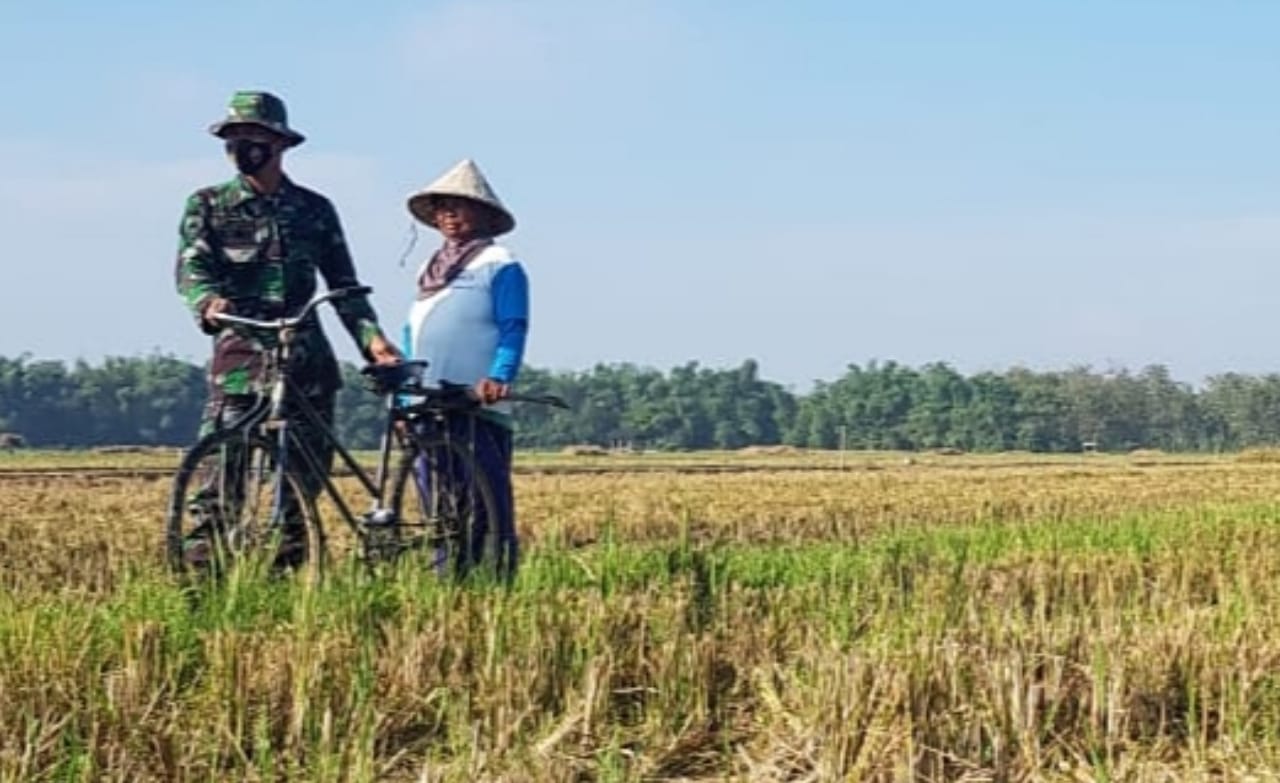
(242, 191)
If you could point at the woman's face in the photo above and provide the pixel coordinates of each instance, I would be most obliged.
(457, 218)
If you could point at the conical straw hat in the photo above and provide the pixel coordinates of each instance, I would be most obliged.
(466, 181)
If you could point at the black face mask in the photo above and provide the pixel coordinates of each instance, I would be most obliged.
(250, 156)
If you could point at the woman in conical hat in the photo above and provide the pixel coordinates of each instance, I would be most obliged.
(470, 321)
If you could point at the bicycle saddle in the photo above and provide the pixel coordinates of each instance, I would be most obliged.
(388, 378)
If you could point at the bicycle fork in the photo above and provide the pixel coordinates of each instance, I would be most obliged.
(278, 421)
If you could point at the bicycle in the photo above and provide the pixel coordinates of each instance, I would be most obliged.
(432, 501)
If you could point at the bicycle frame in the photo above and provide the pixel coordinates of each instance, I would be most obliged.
(267, 414)
(271, 413)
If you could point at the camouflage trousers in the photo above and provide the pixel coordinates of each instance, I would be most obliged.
(223, 410)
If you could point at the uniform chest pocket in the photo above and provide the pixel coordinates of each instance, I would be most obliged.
(243, 240)
(302, 248)
(304, 240)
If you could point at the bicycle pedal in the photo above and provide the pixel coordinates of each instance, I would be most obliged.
(382, 517)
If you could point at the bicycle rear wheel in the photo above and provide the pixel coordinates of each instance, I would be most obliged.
(443, 502)
(229, 504)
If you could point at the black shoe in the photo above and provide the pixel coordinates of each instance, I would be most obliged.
(197, 552)
(291, 552)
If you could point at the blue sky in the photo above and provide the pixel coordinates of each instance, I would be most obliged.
(808, 184)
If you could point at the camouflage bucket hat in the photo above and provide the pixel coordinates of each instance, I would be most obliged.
(248, 107)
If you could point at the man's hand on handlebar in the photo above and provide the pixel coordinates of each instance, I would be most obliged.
(381, 351)
(213, 308)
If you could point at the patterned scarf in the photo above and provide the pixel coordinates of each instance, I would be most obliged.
(447, 262)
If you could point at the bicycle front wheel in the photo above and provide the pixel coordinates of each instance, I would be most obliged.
(445, 507)
(231, 504)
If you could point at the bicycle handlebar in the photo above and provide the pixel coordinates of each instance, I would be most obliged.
(279, 324)
(537, 399)
(405, 378)
(454, 391)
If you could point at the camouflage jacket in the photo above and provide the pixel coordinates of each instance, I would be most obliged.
(262, 253)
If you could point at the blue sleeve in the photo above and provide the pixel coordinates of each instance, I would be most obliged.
(511, 312)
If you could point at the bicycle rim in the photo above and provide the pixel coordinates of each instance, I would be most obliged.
(230, 504)
(438, 494)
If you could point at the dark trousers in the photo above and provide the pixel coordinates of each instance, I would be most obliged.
(493, 458)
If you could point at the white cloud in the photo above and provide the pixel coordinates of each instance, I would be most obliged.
(464, 46)
(1243, 233)
(480, 41)
(169, 91)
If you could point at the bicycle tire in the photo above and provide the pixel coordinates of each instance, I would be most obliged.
(445, 517)
(229, 537)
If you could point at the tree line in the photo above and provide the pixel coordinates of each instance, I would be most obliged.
(156, 400)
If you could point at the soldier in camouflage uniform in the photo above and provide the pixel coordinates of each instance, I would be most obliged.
(252, 246)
